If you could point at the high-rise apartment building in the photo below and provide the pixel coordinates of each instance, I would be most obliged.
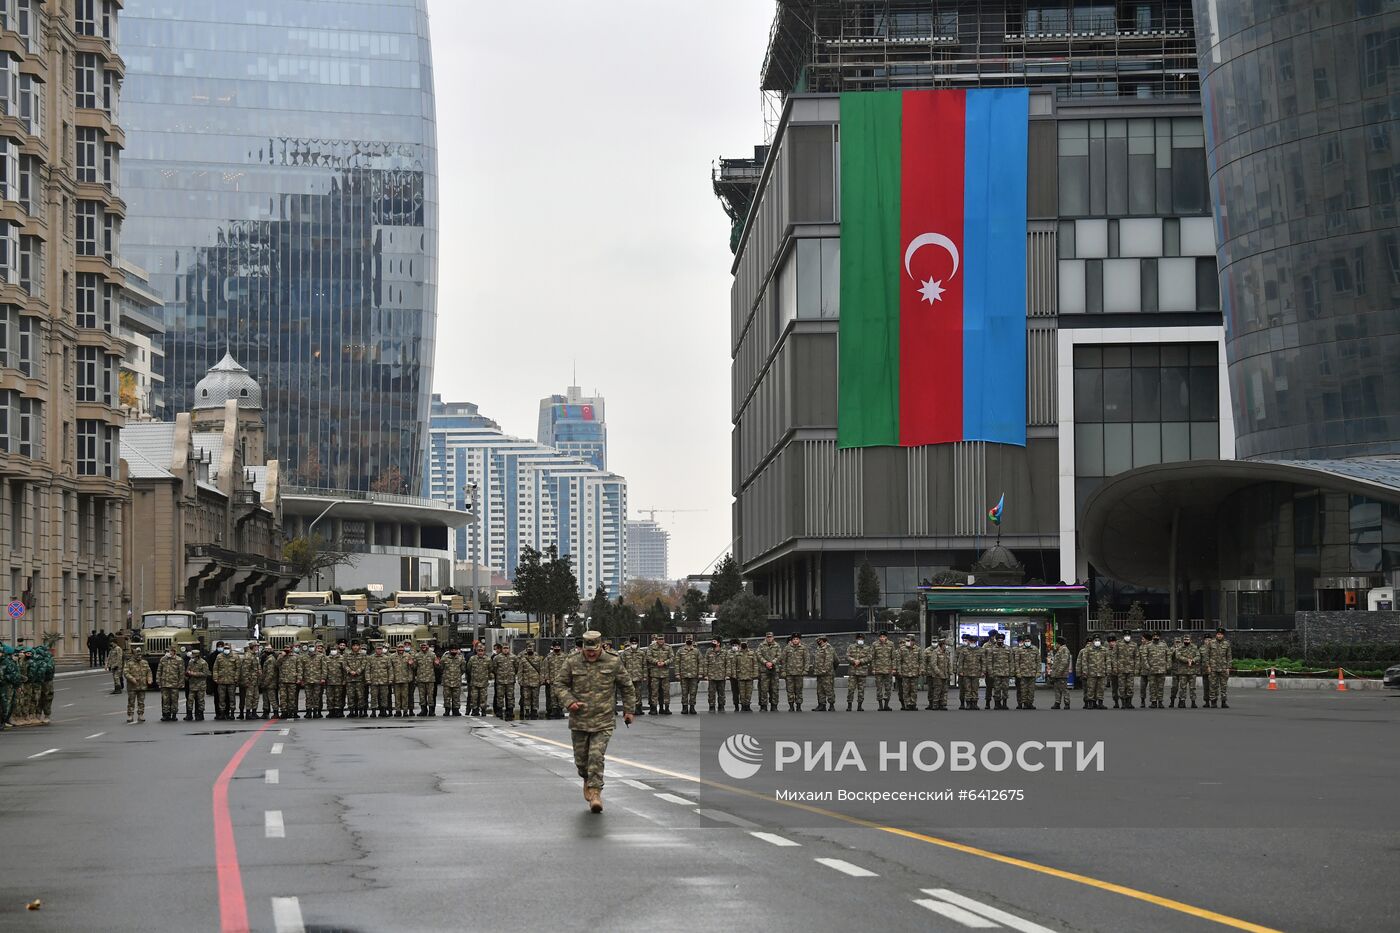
(648, 546)
(281, 177)
(1115, 358)
(60, 317)
(575, 424)
(527, 494)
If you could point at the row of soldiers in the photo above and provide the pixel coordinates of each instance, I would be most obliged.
(1150, 659)
(26, 685)
(346, 681)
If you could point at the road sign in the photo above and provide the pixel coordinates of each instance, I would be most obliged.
(15, 609)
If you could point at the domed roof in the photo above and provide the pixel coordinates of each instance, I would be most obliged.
(998, 566)
(227, 380)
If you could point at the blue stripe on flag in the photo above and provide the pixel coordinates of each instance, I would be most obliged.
(994, 266)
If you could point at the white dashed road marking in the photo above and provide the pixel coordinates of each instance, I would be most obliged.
(286, 915)
(720, 816)
(45, 752)
(679, 801)
(971, 906)
(97, 735)
(285, 732)
(271, 776)
(276, 748)
(846, 868)
(637, 784)
(966, 917)
(775, 839)
(273, 826)
(65, 705)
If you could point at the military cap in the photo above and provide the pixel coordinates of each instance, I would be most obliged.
(592, 639)
(1112, 637)
(716, 640)
(795, 636)
(1220, 631)
(633, 639)
(557, 644)
(821, 638)
(578, 642)
(767, 634)
(735, 641)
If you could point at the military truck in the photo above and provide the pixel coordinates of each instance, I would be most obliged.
(232, 625)
(159, 630)
(282, 627)
(413, 625)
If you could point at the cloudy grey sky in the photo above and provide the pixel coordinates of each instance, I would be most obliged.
(577, 225)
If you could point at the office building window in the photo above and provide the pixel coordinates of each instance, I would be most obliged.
(1132, 167)
(88, 432)
(86, 69)
(89, 145)
(87, 374)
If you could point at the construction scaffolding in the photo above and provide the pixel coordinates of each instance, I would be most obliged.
(1099, 48)
(736, 184)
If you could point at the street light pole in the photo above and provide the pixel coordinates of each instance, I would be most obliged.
(312, 526)
(474, 491)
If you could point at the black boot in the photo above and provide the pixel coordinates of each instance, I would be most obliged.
(1224, 705)
(848, 706)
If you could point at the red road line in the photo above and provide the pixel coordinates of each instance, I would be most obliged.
(233, 908)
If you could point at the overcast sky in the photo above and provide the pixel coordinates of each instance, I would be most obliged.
(575, 142)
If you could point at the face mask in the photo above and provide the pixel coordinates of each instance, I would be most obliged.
(1097, 643)
(226, 651)
(334, 652)
(860, 641)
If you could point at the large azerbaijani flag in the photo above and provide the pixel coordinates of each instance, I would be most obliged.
(933, 267)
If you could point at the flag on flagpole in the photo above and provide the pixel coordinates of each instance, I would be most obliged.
(994, 513)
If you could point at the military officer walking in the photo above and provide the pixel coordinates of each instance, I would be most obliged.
(116, 660)
(586, 685)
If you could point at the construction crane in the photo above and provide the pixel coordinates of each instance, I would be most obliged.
(651, 513)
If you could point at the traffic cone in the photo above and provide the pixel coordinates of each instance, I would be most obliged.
(1273, 684)
(1341, 681)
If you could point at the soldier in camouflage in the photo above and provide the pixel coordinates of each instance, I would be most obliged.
(1027, 666)
(170, 678)
(197, 677)
(936, 665)
(1144, 675)
(531, 671)
(1127, 669)
(1057, 664)
(969, 666)
(1185, 664)
(745, 672)
(770, 656)
(379, 677)
(478, 676)
(504, 672)
(249, 675)
(883, 660)
(1094, 664)
(553, 663)
(453, 667)
(115, 661)
(998, 661)
(659, 657)
(356, 686)
(1156, 659)
(400, 676)
(689, 666)
(1216, 658)
(314, 672)
(1111, 672)
(289, 683)
(586, 685)
(335, 681)
(225, 672)
(137, 674)
(715, 666)
(425, 674)
(908, 665)
(635, 661)
(857, 664)
(795, 665)
(824, 670)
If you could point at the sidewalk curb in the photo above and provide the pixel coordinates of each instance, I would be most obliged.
(1304, 683)
(89, 670)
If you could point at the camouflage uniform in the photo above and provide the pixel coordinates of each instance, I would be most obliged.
(1094, 664)
(478, 676)
(356, 695)
(795, 664)
(531, 669)
(268, 681)
(1156, 659)
(717, 667)
(1111, 669)
(170, 678)
(335, 684)
(1186, 659)
(138, 677)
(969, 666)
(1140, 668)
(454, 665)
(425, 674)
(197, 671)
(401, 677)
(857, 666)
(9, 685)
(907, 665)
(592, 685)
(553, 664)
(41, 672)
(770, 655)
(998, 658)
(289, 682)
(1216, 658)
(659, 657)
(503, 670)
(937, 665)
(883, 661)
(688, 666)
(115, 660)
(225, 670)
(379, 678)
(314, 673)
(745, 672)
(1127, 667)
(635, 662)
(249, 675)
(824, 670)
(1057, 675)
(1027, 664)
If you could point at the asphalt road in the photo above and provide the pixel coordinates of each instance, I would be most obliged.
(455, 824)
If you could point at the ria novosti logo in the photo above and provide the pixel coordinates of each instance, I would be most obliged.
(740, 756)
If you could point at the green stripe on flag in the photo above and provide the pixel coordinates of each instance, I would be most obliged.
(868, 410)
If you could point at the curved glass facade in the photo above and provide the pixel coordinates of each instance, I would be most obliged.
(1302, 103)
(281, 182)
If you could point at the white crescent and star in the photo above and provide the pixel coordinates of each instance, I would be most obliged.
(931, 290)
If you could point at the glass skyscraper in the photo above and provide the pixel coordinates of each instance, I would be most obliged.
(281, 183)
(576, 424)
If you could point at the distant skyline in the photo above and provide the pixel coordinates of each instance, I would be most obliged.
(578, 228)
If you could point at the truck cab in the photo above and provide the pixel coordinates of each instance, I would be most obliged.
(400, 625)
(160, 630)
(282, 627)
(232, 625)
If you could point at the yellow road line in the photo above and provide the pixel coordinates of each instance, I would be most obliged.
(1146, 896)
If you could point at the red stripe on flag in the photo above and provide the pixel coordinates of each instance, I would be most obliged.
(931, 331)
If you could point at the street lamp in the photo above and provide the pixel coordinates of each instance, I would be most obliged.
(312, 526)
(473, 490)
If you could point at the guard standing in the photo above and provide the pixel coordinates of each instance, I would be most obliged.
(717, 664)
(883, 661)
(553, 664)
(688, 666)
(531, 670)
(824, 670)
(937, 665)
(453, 666)
(770, 654)
(745, 672)
(795, 666)
(1057, 664)
(478, 676)
(659, 657)
(197, 676)
(857, 664)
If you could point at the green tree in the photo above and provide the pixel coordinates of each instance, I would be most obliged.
(1104, 613)
(868, 589)
(656, 619)
(599, 609)
(622, 620)
(948, 578)
(559, 587)
(530, 581)
(743, 616)
(308, 555)
(727, 582)
(695, 604)
(1137, 616)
